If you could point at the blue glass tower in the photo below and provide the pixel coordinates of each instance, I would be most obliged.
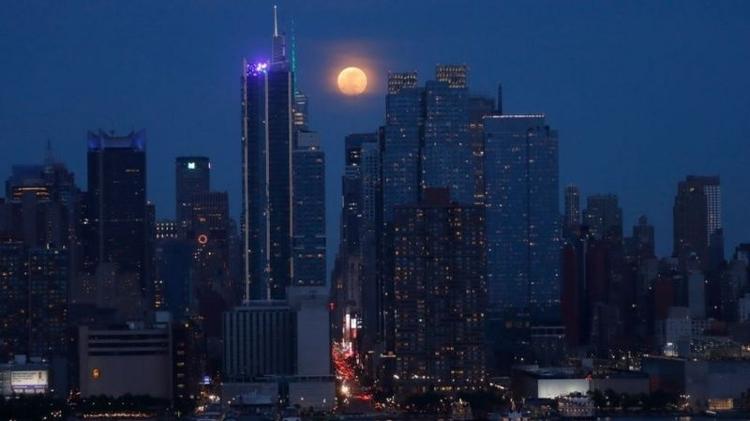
(403, 131)
(254, 196)
(447, 155)
(521, 178)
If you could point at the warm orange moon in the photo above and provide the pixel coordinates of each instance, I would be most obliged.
(352, 81)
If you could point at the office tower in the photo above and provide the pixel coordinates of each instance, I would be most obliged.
(192, 176)
(254, 195)
(210, 278)
(284, 344)
(479, 107)
(521, 178)
(697, 218)
(309, 227)
(259, 340)
(35, 219)
(173, 273)
(572, 294)
(439, 268)
(572, 212)
(641, 245)
(447, 153)
(401, 152)
(603, 216)
(41, 205)
(117, 212)
(14, 296)
(267, 140)
(279, 146)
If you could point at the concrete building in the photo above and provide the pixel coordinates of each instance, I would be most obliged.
(116, 362)
(707, 383)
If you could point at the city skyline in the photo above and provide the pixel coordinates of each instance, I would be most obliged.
(503, 210)
(596, 100)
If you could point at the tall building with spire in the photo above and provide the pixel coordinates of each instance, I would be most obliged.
(267, 145)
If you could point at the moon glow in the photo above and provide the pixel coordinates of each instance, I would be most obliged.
(352, 81)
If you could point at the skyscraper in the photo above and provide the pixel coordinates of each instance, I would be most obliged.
(439, 294)
(479, 107)
(14, 296)
(603, 216)
(192, 177)
(34, 296)
(521, 178)
(572, 213)
(447, 154)
(309, 222)
(254, 223)
(401, 152)
(697, 217)
(48, 280)
(117, 211)
(641, 245)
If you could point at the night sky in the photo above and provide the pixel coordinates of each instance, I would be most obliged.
(642, 93)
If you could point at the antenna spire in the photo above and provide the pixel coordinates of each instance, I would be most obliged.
(275, 23)
(294, 57)
(49, 156)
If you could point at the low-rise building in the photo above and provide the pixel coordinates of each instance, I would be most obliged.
(116, 362)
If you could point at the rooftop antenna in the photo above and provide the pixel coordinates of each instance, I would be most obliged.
(275, 23)
(49, 157)
(294, 58)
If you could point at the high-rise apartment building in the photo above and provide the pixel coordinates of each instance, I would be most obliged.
(521, 178)
(401, 152)
(439, 294)
(447, 153)
(479, 107)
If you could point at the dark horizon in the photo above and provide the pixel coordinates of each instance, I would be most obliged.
(642, 94)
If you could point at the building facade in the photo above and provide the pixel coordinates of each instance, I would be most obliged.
(521, 178)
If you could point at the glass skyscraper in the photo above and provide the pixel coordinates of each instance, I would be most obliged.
(522, 219)
(117, 204)
(447, 155)
(309, 223)
(254, 195)
(401, 154)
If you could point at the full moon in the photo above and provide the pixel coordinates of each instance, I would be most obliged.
(352, 81)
